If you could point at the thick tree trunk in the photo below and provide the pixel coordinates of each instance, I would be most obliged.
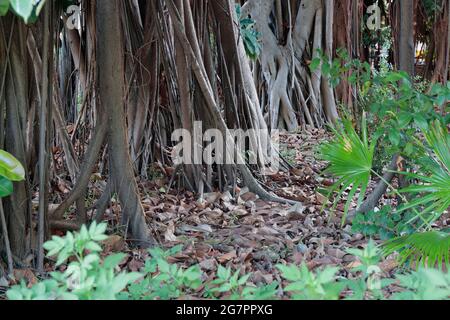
(442, 49)
(110, 59)
(406, 49)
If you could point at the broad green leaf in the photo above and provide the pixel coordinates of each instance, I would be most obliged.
(123, 279)
(6, 187)
(10, 167)
(404, 119)
(395, 76)
(14, 294)
(93, 246)
(315, 64)
(394, 136)
(420, 121)
(23, 8)
(4, 6)
(290, 272)
(327, 275)
(113, 260)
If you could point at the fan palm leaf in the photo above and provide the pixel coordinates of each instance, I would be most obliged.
(350, 157)
(427, 248)
(432, 195)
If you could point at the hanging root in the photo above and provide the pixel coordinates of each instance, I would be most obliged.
(86, 170)
(211, 104)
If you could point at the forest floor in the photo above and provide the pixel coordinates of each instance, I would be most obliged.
(250, 234)
(247, 234)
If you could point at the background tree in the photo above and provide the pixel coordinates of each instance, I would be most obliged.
(101, 100)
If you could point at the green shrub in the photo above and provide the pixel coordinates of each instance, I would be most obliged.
(86, 276)
(402, 117)
(89, 277)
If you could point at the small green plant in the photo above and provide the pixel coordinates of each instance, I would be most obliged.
(306, 285)
(370, 283)
(402, 117)
(86, 277)
(234, 286)
(249, 35)
(424, 284)
(89, 277)
(386, 222)
(164, 280)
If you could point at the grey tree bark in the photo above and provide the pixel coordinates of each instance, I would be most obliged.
(407, 51)
(110, 59)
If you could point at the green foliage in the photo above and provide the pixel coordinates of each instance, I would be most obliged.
(10, 170)
(337, 69)
(432, 193)
(369, 284)
(234, 285)
(402, 117)
(86, 276)
(249, 35)
(399, 111)
(4, 6)
(387, 223)
(350, 159)
(10, 167)
(425, 284)
(28, 10)
(426, 249)
(305, 285)
(6, 187)
(163, 280)
(432, 7)
(396, 106)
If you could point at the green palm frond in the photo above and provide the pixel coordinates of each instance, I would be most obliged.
(427, 249)
(351, 159)
(432, 195)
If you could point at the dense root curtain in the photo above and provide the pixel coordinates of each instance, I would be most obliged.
(290, 38)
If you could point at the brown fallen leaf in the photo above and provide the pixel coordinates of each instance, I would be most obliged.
(353, 264)
(337, 253)
(135, 265)
(389, 265)
(321, 199)
(227, 257)
(25, 274)
(114, 243)
(208, 264)
(169, 235)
